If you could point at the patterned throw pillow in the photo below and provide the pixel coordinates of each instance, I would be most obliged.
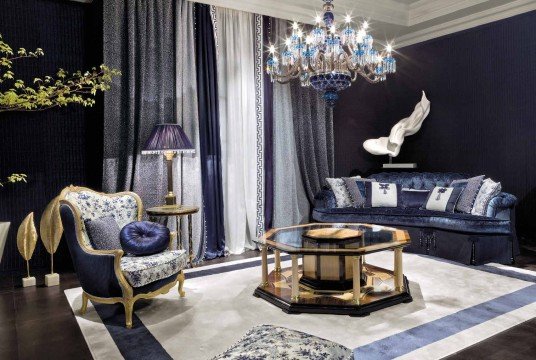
(103, 233)
(470, 190)
(488, 190)
(413, 198)
(341, 192)
(443, 199)
(382, 194)
(269, 342)
(356, 189)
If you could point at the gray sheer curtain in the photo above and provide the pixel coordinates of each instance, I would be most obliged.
(147, 41)
(290, 200)
(313, 133)
(188, 182)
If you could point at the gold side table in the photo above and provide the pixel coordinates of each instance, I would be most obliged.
(176, 211)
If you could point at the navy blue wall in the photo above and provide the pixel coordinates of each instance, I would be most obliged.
(482, 86)
(55, 147)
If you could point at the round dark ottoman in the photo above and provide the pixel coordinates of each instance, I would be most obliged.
(144, 238)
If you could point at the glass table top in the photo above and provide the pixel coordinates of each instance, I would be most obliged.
(335, 239)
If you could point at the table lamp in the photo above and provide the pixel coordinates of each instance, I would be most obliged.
(169, 140)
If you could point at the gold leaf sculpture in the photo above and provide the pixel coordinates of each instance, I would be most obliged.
(27, 239)
(51, 229)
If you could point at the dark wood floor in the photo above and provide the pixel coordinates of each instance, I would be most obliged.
(37, 322)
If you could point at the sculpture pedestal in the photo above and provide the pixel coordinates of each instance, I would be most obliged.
(52, 279)
(28, 281)
(400, 166)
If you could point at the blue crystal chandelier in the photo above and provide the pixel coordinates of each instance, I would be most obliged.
(330, 58)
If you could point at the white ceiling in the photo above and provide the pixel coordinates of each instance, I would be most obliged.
(403, 22)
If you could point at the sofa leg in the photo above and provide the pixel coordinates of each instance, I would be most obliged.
(129, 308)
(473, 255)
(181, 278)
(513, 258)
(85, 299)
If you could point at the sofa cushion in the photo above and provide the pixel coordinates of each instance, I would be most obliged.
(442, 199)
(470, 190)
(412, 198)
(382, 194)
(142, 270)
(488, 191)
(415, 218)
(338, 186)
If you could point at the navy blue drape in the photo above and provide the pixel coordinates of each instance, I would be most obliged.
(209, 132)
(268, 130)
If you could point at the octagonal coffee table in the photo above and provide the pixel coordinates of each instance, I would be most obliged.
(334, 277)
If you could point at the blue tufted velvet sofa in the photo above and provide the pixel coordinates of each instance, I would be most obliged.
(464, 238)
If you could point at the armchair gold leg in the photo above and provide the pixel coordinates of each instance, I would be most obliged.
(181, 278)
(85, 299)
(129, 308)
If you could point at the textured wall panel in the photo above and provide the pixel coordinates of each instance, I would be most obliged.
(54, 148)
(482, 84)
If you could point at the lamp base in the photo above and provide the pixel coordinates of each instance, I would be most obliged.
(171, 199)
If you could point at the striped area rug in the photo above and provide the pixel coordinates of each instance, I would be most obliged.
(454, 306)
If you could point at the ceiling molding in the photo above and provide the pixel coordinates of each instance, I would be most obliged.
(304, 11)
(467, 22)
(425, 10)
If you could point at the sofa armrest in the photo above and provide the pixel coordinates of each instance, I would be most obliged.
(325, 199)
(501, 206)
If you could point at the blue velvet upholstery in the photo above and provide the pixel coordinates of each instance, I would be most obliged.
(418, 181)
(101, 283)
(467, 232)
(144, 238)
(415, 217)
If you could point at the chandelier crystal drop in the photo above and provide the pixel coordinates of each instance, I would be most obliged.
(329, 58)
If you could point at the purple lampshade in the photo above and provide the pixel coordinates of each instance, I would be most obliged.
(168, 138)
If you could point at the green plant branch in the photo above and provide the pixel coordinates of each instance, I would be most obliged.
(14, 178)
(50, 92)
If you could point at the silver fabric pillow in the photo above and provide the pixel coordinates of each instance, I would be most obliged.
(342, 196)
(103, 233)
(488, 191)
(468, 196)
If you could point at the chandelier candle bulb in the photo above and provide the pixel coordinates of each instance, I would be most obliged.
(329, 59)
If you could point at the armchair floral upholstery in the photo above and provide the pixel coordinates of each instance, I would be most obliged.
(110, 276)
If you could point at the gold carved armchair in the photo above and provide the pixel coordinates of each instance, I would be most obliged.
(110, 276)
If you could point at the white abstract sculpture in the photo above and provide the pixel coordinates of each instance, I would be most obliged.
(408, 126)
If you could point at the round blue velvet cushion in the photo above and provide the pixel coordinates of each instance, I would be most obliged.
(144, 238)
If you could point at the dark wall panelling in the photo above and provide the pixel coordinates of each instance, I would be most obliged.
(54, 148)
(482, 85)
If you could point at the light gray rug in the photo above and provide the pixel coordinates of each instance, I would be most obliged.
(454, 306)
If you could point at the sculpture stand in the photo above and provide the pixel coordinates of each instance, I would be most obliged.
(390, 165)
(29, 280)
(52, 279)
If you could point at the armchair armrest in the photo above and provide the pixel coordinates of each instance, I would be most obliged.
(98, 271)
(501, 205)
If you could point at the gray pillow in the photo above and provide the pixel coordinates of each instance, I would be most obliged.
(356, 189)
(470, 190)
(341, 192)
(103, 233)
(488, 191)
